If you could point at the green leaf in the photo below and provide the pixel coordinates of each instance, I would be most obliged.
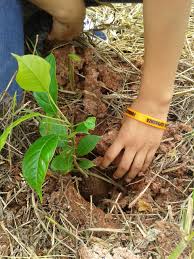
(51, 126)
(33, 73)
(67, 149)
(36, 162)
(53, 88)
(86, 164)
(74, 57)
(81, 128)
(87, 144)
(86, 125)
(7, 131)
(178, 250)
(45, 103)
(63, 163)
(90, 123)
(43, 99)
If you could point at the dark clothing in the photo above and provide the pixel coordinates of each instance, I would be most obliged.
(11, 41)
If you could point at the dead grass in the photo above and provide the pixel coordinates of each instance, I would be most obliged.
(53, 236)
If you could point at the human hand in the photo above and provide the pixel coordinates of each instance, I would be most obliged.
(138, 143)
(68, 17)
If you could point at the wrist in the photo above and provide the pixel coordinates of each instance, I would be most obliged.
(151, 107)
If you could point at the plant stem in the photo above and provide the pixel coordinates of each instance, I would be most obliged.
(71, 75)
(79, 168)
(60, 112)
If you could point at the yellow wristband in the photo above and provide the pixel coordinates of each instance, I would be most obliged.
(146, 119)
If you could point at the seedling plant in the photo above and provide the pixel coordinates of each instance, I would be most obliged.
(57, 145)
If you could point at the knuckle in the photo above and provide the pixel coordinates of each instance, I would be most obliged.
(145, 167)
(137, 167)
(117, 175)
(147, 163)
(128, 178)
(123, 168)
(129, 146)
(109, 157)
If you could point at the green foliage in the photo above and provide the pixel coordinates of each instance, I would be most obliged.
(44, 98)
(87, 144)
(53, 88)
(49, 126)
(87, 125)
(33, 73)
(56, 147)
(36, 161)
(45, 103)
(7, 131)
(74, 57)
(63, 163)
(86, 164)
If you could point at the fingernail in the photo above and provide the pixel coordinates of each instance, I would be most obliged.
(102, 167)
(141, 174)
(128, 180)
(115, 176)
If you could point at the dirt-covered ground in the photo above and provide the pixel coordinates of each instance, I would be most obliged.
(93, 218)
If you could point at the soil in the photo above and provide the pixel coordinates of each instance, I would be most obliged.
(93, 203)
(91, 78)
(79, 212)
(168, 238)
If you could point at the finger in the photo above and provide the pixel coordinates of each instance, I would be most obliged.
(125, 163)
(118, 159)
(112, 153)
(148, 160)
(63, 31)
(58, 30)
(136, 166)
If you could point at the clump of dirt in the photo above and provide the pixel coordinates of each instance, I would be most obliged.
(91, 76)
(110, 78)
(174, 134)
(92, 93)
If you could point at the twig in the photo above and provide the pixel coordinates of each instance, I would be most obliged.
(116, 201)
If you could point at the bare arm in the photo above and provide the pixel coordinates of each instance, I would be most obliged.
(165, 25)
